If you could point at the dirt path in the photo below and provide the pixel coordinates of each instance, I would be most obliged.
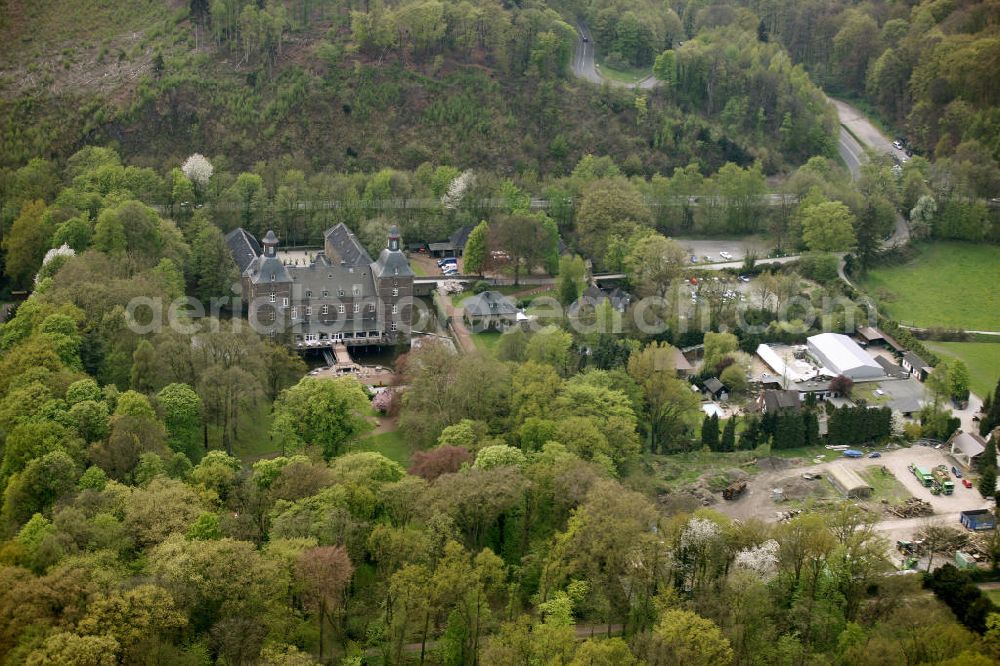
(455, 319)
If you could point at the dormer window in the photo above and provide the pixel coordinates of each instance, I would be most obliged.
(357, 290)
(341, 290)
(309, 293)
(325, 293)
(272, 277)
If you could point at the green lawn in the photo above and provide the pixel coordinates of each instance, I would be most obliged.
(948, 284)
(885, 486)
(486, 342)
(627, 75)
(994, 596)
(982, 359)
(391, 444)
(253, 440)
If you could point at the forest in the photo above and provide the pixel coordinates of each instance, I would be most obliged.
(527, 526)
(188, 494)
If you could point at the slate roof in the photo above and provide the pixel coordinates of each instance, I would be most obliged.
(322, 274)
(460, 237)
(345, 246)
(776, 401)
(915, 361)
(243, 247)
(714, 386)
(488, 304)
(891, 368)
(262, 268)
(870, 334)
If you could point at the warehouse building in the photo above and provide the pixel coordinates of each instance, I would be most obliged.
(840, 355)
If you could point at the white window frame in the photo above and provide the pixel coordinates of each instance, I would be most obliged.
(284, 301)
(395, 309)
(357, 308)
(295, 312)
(326, 309)
(395, 291)
(274, 298)
(309, 310)
(371, 307)
(340, 309)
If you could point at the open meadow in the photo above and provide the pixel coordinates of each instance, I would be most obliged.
(948, 284)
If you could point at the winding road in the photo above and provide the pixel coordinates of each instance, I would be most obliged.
(586, 68)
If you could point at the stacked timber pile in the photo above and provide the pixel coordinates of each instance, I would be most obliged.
(914, 507)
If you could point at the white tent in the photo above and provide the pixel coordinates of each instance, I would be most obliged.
(840, 355)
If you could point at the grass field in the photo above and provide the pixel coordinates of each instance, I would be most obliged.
(391, 444)
(629, 75)
(885, 486)
(982, 359)
(486, 342)
(951, 285)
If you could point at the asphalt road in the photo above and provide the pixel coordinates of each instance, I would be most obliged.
(585, 66)
(853, 154)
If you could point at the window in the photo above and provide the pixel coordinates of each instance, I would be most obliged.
(392, 326)
(309, 310)
(395, 309)
(341, 290)
(295, 312)
(272, 277)
(273, 298)
(326, 309)
(340, 309)
(395, 291)
(356, 290)
(309, 293)
(284, 301)
(371, 307)
(310, 337)
(357, 307)
(326, 292)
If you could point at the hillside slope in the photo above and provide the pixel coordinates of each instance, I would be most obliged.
(311, 82)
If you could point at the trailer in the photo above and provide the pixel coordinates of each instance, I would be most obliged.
(923, 475)
(978, 520)
(943, 481)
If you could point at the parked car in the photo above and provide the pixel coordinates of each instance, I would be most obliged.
(447, 260)
(450, 271)
(744, 278)
(707, 257)
(966, 483)
(956, 471)
(897, 144)
(694, 259)
(874, 454)
(725, 255)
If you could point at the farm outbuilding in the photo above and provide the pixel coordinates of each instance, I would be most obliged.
(848, 482)
(841, 355)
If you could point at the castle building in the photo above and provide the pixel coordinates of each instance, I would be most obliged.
(341, 296)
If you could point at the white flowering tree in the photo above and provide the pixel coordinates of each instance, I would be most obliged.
(699, 551)
(760, 560)
(198, 170)
(457, 189)
(56, 256)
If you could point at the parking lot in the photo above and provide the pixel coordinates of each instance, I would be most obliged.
(737, 248)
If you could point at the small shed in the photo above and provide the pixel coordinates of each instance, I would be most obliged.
(868, 335)
(848, 482)
(716, 389)
(965, 446)
(915, 365)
